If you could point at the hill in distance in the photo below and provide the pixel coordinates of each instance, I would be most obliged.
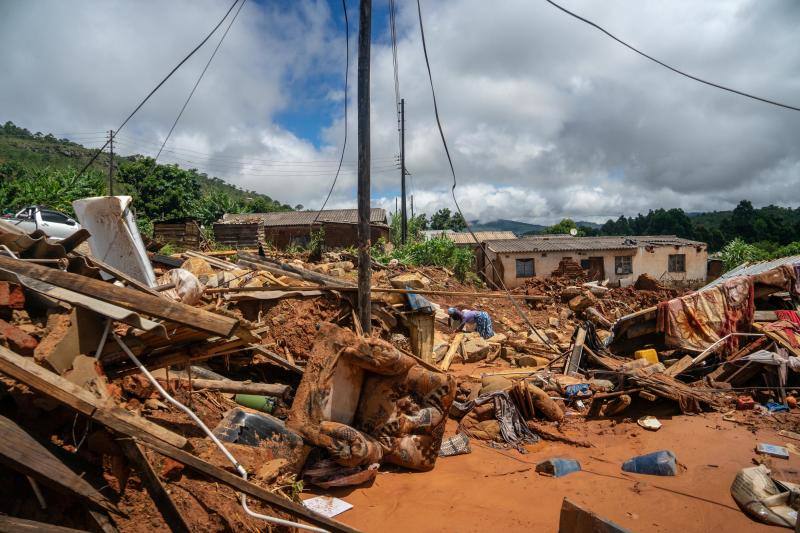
(521, 228)
(37, 150)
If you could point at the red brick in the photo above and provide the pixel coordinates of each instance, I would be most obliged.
(11, 295)
(18, 340)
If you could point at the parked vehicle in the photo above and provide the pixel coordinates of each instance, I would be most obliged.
(55, 225)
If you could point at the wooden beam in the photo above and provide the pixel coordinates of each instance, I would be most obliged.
(295, 288)
(277, 359)
(573, 363)
(169, 512)
(451, 351)
(10, 524)
(53, 386)
(24, 454)
(246, 487)
(128, 298)
(240, 387)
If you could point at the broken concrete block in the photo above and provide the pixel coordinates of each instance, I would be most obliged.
(553, 321)
(475, 349)
(584, 300)
(568, 293)
(552, 334)
(498, 338)
(410, 279)
(508, 353)
(526, 360)
(337, 272)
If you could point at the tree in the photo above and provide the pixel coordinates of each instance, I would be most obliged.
(163, 192)
(441, 219)
(457, 222)
(742, 220)
(564, 228)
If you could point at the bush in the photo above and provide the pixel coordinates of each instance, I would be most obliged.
(737, 252)
(439, 252)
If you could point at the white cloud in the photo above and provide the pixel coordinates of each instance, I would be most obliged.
(545, 117)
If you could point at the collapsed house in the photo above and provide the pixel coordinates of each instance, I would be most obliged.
(295, 228)
(228, 377)
(621, 260)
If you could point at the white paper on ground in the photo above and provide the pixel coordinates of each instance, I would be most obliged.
(115, 238)
(327, 505)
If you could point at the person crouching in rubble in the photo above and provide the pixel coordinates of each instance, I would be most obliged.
(481, 319)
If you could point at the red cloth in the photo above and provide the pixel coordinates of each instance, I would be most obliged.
(697, 320)
(789, 316)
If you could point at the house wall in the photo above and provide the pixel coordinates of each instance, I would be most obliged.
(185, 234)
(336, 235)
(653, 261)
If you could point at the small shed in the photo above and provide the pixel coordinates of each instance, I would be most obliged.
(293, 228)
(183, 232)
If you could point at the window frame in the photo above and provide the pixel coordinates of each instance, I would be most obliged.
(676, 263)
(525, 260)
(63, 219)
(619, 261)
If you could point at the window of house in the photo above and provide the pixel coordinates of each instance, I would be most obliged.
(525, 268)
(677, 263)
(585, 264)
(623, 264)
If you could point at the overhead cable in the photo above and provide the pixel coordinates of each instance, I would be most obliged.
(157, 87)
(199, 79)
(673, 69)
(543, 338)
(344, 142)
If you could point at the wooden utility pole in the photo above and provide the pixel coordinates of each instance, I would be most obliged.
(364, 243)
(111, 163)
(404, 214)
(412, 206)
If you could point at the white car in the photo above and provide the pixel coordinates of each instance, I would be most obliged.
(55, 225)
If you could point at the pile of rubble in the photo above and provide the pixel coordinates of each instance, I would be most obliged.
(232, 378)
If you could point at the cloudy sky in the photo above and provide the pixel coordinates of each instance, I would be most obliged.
(545, 116)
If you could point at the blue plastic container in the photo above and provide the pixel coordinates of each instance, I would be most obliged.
(661, 463)
(558, 467)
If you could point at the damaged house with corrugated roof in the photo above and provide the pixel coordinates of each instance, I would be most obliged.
(293, 228)
(621, 260)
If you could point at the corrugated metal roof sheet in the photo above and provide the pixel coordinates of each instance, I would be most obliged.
(461, 237)
(751, 269)
(304, 218)
(543, 243)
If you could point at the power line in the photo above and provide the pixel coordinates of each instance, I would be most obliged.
(199, 79)
(673, 69)
(344, 142)
(157, 87)
(455, 183)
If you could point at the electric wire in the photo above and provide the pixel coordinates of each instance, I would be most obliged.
(157, 87)
(673, 69)
(199, 79)
(344, 142)
(519, 310)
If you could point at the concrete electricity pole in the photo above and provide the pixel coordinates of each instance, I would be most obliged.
(364, 242)
(111, 163)
(404, 214)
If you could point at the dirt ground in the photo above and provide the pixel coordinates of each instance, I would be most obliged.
(499, 490)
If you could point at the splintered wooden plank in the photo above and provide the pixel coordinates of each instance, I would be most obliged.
(21, 452)
(9, 524)
(127, 298)
(53, 386)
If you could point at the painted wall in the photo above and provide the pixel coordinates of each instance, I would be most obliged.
(653, 261)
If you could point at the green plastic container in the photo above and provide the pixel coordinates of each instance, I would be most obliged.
(265, 404)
